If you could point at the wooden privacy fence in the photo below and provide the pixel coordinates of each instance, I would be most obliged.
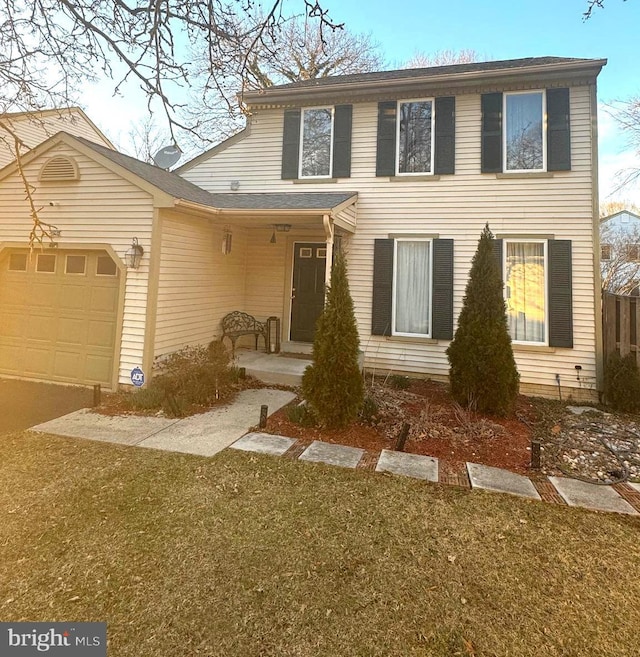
(620, 324)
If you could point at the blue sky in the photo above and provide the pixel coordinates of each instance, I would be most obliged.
(495, 29)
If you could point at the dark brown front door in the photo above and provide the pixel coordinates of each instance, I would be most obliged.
(307, 297)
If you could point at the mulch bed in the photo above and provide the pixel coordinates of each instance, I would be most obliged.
(438, 427)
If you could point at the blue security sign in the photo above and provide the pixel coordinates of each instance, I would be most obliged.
(137, 377)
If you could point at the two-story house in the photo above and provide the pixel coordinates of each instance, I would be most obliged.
(431, 155)
(620, 252)
(402, 168)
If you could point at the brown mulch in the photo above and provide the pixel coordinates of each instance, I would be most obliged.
(438, 427)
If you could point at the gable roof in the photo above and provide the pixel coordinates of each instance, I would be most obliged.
(182, 192)
(632, 215)
(453, 76)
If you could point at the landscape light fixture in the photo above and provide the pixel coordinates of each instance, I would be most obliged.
(134, 255)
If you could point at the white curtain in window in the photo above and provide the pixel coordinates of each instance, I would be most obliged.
(525, 290)
(413, 267)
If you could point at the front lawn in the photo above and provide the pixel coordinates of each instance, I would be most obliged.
(244, 555)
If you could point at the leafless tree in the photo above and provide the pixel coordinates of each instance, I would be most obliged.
(49, 47)
(443, 58)
(627, 114)
(620, 257)
(591, 5)
(299, 49)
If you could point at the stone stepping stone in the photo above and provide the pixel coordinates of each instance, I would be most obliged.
(501, 481)
(345, 457)
(264, 443)
(409, 465)
(591, 496)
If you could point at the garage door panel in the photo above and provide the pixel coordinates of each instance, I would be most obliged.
(101, 334)
(41, 327)
(38, 361)
(73, 297)
(66, 364)
(14, 292)
(98, 368)
(72, 331)
(42, 295)
(12, 324)
(11, 357)
(58, 326)
(104, 299)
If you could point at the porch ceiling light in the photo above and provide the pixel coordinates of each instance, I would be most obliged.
(279, 228)
(134, 255)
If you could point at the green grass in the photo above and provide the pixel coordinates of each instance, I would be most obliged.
(244, 555)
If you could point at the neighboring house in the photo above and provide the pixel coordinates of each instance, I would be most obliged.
(433, 155)
(402, 168)
(35, 127)
(620, 252)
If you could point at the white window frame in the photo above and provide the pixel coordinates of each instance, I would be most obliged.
(106, 255)
(433, 133)
(301, 148)
(66, 264)
(602, 250)
(48, 255)
(546, 284)
(395, 280)
(543, 101)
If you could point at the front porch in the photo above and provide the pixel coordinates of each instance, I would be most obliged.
(280, 369)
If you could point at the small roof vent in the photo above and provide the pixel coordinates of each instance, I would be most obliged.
(59, 168)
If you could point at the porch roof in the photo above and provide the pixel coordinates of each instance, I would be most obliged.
(183, 190)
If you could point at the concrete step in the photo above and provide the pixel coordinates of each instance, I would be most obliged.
(272, 368)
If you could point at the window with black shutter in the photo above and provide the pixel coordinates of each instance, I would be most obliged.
(413, 288)
(416, 137)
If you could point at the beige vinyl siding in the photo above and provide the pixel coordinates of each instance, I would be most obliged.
(197, 284)
(100, 208)
(457, 207)
(33, 130)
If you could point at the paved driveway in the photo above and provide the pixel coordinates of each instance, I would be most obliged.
(25, 403)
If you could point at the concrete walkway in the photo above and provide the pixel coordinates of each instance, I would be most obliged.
(205, 434)
(621, 498)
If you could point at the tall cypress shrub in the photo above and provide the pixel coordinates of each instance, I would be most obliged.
(333, 384)
(483, 372)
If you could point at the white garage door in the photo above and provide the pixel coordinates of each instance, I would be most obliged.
(58, 315)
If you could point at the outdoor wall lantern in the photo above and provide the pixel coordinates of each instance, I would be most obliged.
(279, 228)
(134, 255)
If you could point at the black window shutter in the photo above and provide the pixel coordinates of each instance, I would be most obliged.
(445, 139)
(386, 148)
(497, 254)
(290, 144)
(442, 304)
(382, 287)
(342, 141)
(560, 294)
(558, 130)
(491, 158)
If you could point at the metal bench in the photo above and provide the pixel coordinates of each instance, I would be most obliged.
(237, 324)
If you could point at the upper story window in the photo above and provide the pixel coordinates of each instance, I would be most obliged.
(605, 252)
(315, 148)
(526, 131)
(316, 143)
(415, 136)
(524, 147)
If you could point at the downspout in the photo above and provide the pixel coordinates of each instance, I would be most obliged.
(329, 233)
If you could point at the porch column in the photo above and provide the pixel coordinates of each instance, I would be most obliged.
(328, 231)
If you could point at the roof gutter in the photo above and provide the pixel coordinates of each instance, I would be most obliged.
(270, 212)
